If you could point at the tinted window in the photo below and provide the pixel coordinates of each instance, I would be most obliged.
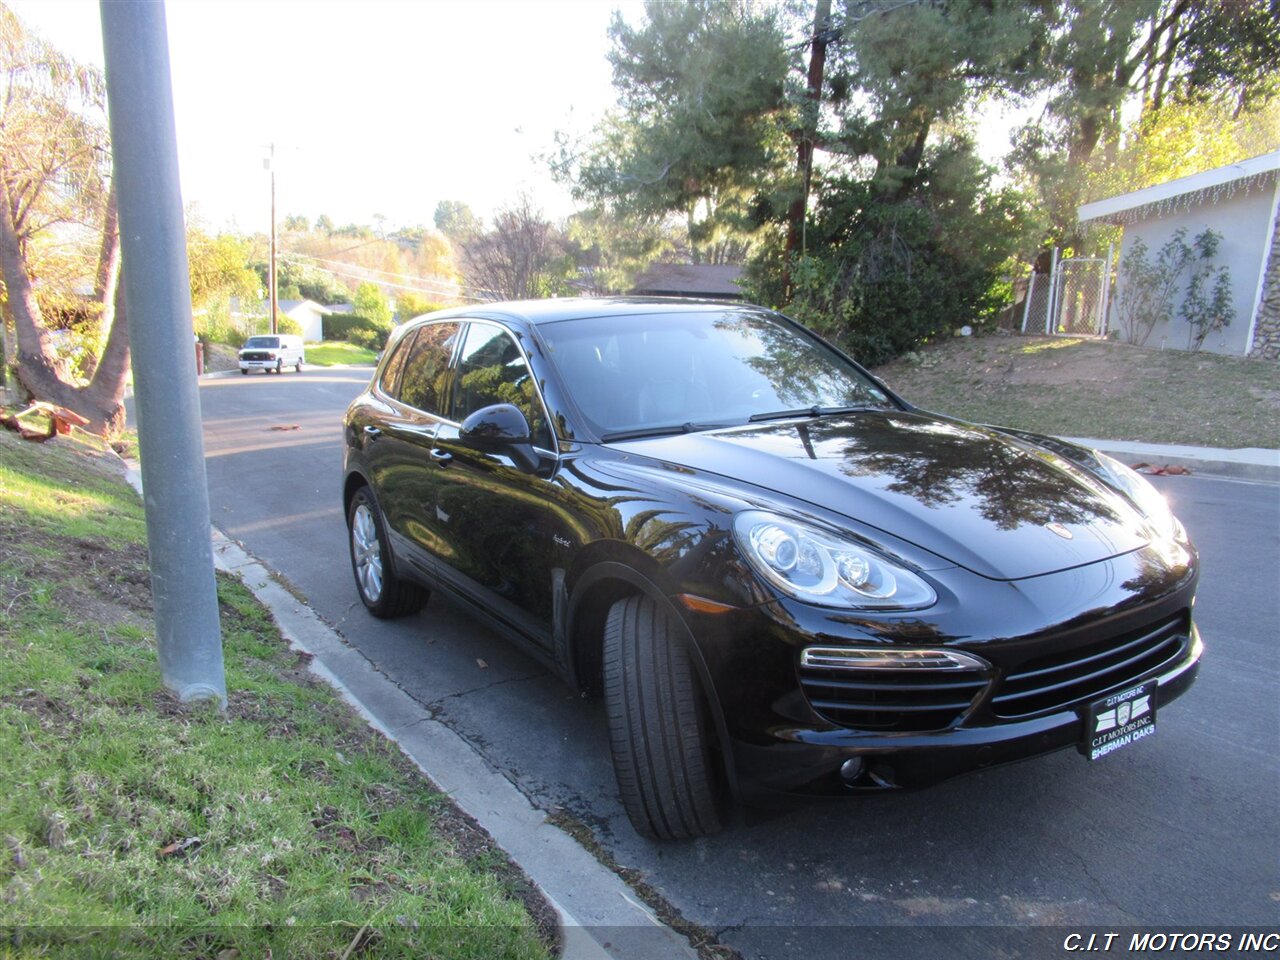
(426, 369)
(492, 370)
(658, 370)
(390, 381)
(262, 343)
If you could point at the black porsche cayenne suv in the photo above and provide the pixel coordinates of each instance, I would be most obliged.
(783, 578)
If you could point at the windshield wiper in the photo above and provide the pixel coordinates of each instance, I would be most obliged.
(667, 431)
(814, 411)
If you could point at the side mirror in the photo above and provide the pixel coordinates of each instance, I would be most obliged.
(500, 428)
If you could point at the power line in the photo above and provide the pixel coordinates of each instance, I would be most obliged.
(397, 286)
(479, 292)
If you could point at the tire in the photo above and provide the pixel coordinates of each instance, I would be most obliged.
(659, 726)
(384, 594)
(244, 372)
(279, 367)
(298, 367)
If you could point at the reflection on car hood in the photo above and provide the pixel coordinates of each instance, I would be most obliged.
(998, 506)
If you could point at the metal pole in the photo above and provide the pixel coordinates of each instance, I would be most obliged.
(1053, 291)
(157, 293)
(1106, 289)
(1026, 304)
(272, 267)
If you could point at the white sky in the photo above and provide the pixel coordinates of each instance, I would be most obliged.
(375, 107)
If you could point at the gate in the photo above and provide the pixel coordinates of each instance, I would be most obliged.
(1071, 299)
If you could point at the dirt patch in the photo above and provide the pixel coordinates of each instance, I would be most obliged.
(219, 357)
(1095, 388)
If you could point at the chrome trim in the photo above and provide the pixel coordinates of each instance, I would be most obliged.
(854, 658)
(1186, 663)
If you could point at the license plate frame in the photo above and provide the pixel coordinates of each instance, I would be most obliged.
(1119, 720)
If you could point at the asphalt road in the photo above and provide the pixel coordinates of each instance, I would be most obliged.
(1180, 830)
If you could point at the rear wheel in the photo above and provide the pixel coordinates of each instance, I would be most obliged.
(659, 726)
(298, 367)
(385, 594)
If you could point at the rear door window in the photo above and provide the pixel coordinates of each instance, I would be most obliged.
(390, 382)
(424, 380)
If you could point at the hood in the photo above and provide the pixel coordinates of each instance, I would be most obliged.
(1000, 507)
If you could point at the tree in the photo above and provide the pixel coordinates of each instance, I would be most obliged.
(700, 125)
(611, 250)
(370, 303)
(296, 223)
(324, 224)
(1117, 57)
(522, 257)
(54, 175)
(455, 220)
(410, 304)
(219, 267)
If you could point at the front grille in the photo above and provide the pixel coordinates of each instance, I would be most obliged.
(1054, 682)
(255, 355)
(891, 700)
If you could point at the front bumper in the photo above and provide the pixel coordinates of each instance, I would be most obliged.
(809, 761)
(258, 364)
(1044, 639)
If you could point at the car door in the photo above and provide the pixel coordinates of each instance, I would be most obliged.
(496, 520)
(400, 449)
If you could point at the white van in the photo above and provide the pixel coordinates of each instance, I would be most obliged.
(274, 352)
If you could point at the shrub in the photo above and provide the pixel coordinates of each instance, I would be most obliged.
(356, 329)
(288, 325)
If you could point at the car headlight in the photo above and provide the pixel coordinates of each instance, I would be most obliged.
(1146, 498)
(823, 568)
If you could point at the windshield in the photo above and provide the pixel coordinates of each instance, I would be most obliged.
(262, 343)
(685, 370)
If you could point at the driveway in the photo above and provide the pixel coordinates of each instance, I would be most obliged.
(1178, 831)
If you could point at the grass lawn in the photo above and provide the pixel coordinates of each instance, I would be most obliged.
(130, 825)
(329, 352)
(1095, 388)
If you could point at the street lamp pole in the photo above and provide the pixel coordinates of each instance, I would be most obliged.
(157, 300)
(271, 267)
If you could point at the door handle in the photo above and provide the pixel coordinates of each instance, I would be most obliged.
(442, 457)
(373, 433)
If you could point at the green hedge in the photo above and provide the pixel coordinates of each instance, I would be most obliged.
(354, 328)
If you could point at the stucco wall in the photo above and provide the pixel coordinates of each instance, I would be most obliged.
(308, 318)
(1244, 221)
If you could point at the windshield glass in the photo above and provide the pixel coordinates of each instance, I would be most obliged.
(262, 343)
(676, 369)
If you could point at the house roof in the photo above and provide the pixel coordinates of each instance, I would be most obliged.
(285, 306)
(689, 280)
(1185, 192)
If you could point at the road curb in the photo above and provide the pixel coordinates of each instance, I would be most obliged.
(1254, 464)
(221, 374)
(600, 918)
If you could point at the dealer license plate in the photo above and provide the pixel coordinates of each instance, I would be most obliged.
(1119, 720)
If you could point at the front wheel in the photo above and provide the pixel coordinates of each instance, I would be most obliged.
(385, 594)
(279, 366)
(660, 730)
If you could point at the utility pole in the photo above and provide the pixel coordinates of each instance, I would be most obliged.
(798, 212)
(157, 296)
(271, 266)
